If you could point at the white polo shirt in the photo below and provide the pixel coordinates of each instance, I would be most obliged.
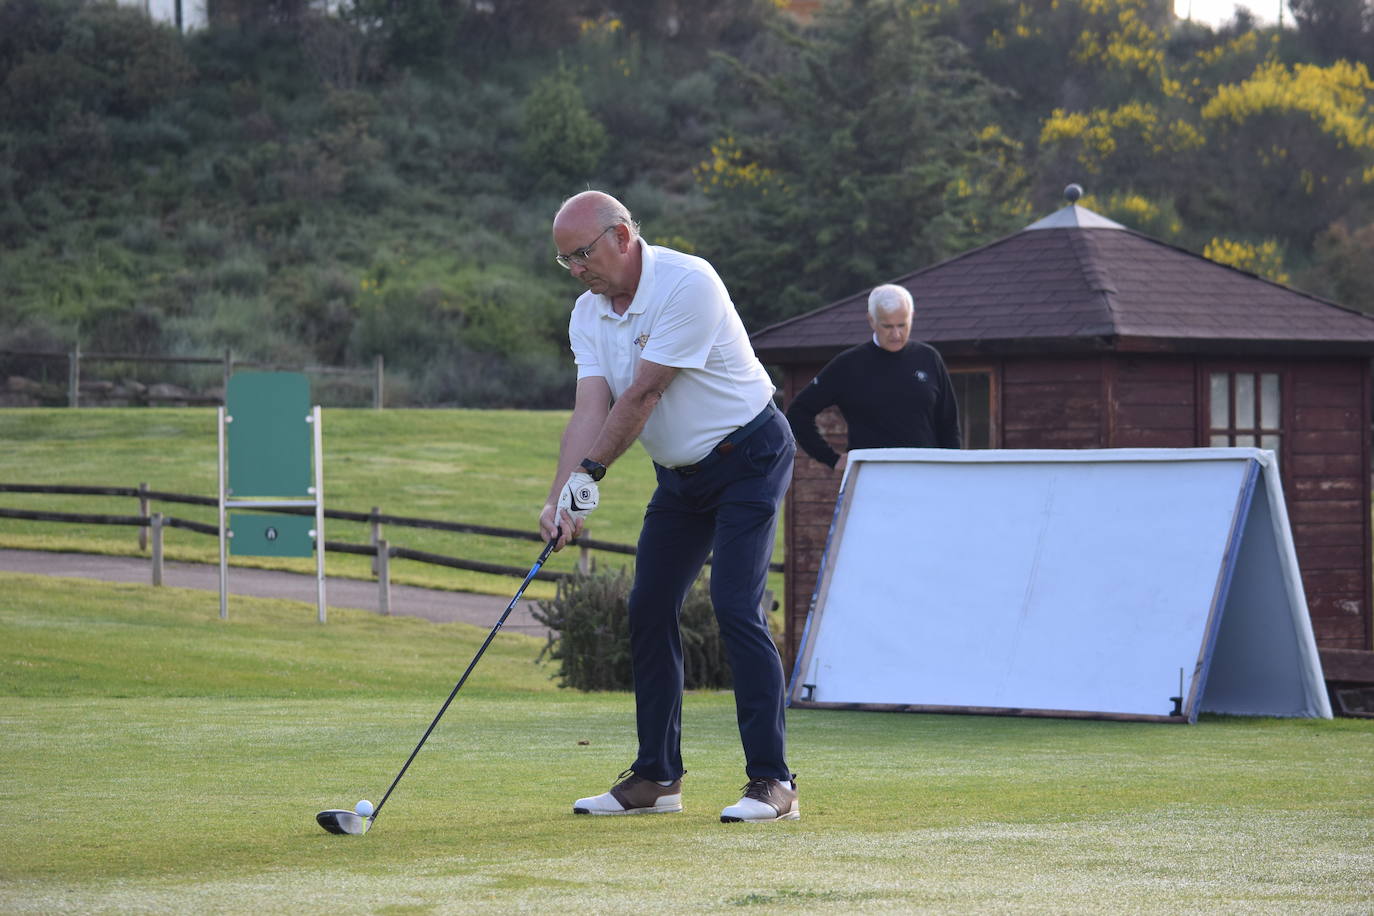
(681, 316)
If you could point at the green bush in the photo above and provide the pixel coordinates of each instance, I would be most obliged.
(591, 617)
(241, 273)
(204, 239)
(469, 378)
(45, 84)
(151, 138)
(141, 235)
(248, 323)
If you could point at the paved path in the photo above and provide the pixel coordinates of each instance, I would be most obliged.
(406, 600)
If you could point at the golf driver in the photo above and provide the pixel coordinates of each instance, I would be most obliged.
(340, 820)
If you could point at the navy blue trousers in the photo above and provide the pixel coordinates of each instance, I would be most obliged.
(729, 508)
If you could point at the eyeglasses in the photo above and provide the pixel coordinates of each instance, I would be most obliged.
(579, 256)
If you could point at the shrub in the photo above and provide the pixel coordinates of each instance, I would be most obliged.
(141, 235)
(142, 63)
(240, 273)
(152, 138)
(590, 614)
(14, 225)
(374, 187)
(204, 239)
(243, 322)
(467, 378)
(47, 83)
(33, 334)
(43, 208)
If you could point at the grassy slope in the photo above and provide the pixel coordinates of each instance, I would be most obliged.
(163, 761)
(486, 467)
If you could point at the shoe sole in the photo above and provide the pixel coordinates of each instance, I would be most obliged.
(669, 809)
(789, 816)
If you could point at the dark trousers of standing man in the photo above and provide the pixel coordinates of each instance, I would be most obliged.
(726, 505)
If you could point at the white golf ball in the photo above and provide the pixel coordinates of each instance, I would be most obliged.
(364, 808)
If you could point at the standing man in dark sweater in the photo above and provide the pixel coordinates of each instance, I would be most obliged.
(894, 392)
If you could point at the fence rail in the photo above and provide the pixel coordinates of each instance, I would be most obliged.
(379, 548)
(375, 517)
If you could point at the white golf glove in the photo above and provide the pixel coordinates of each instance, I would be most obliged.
(579, 496)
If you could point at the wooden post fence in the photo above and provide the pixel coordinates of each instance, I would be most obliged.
(143, 512)
(375, 535)
(383, 560)
(74, 377)
(157, 547)
(584, 555)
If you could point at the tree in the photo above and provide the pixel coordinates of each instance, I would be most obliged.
(1336, 29)
(870, 155)
(561, 142)
(692, 21)
(1059, 54)
(1344, 268)
(256, 15)
(98, 58)
(32, 26)
(1292, 147)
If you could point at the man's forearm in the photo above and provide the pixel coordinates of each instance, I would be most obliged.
(588, 417)
(631, 411)
(623, 426)
(578, 436)
(802, 419)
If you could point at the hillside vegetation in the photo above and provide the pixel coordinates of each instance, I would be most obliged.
(312, 187)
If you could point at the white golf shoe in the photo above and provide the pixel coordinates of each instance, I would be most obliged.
(765, 800)
(634, 795)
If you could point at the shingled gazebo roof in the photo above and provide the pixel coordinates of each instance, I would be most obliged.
(1077, 282)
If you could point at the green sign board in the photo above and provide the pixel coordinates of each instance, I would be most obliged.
(270, 439)
(266, 534)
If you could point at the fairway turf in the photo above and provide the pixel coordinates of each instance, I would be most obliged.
(160, 760)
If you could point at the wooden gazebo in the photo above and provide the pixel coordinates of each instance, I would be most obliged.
(1077, 332)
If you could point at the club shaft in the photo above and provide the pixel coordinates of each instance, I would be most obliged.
(529, 577)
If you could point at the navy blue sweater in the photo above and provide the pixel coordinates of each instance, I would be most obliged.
(888, 400)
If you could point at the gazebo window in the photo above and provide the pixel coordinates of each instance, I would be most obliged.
(973, 389)
(1244, 409)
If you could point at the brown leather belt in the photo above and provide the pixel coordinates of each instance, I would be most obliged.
(727, 445)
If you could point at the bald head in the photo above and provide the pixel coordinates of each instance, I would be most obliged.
(597, 241)
(593, 207)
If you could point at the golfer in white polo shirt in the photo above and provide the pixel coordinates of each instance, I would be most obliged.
(663, 357)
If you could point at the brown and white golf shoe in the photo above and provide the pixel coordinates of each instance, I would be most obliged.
(765, 800)
(634, 795)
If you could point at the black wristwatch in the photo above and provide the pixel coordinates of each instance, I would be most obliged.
(595, 469)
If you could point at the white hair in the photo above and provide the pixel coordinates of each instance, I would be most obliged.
(889, 298)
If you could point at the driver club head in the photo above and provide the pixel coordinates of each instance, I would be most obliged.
(340, 820)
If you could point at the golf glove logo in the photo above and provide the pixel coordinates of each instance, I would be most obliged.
(580, 495)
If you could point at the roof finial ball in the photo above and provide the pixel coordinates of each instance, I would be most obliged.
(1073, 192)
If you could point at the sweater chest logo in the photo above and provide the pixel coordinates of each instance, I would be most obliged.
(921, 375)
(642, 340)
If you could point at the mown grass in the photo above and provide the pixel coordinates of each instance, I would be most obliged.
(484, 467)
(160, 760)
